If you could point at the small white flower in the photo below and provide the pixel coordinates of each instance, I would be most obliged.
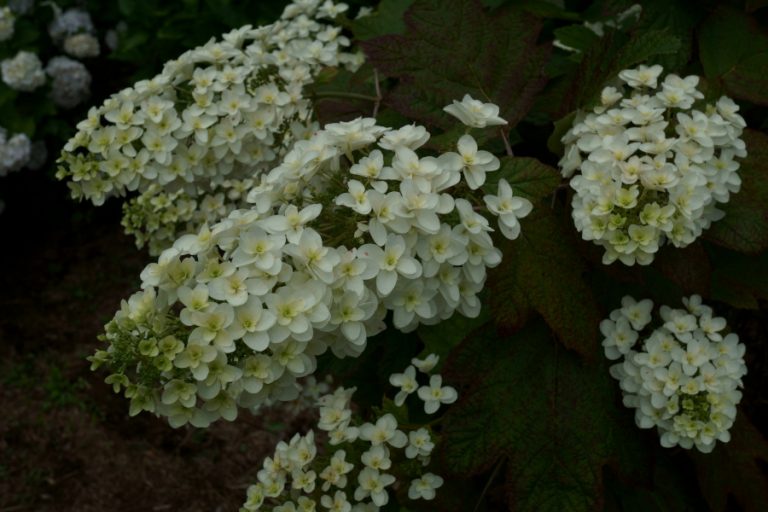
(475, 113)
(424, 487)
(435, 394)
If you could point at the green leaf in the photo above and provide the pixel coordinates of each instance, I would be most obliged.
(387, 19)
(688, 268)
(454, 47)
(733, 49)
(528, 177)
(745, 225)
(577, 37)
(550, 416)
(542, 271)
(736, 469)
(441, 338)
(738, 279)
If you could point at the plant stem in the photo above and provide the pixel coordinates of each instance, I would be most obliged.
(347, 95)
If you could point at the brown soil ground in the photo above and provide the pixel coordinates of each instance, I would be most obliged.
(66, 441)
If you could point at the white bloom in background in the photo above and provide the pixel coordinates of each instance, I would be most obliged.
(71, 81)
(82, 46)
(427, 364)
(475, 113)
(647, 168)
(70, 22)
(24, 72)
(15, 152)
(7, 21)
(683, 377)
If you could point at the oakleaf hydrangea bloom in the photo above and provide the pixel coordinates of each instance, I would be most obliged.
(237, 312)
(23, 72)
(681, 374)
(7, 22)
(651, 167)
(190, 142)
(347, 465)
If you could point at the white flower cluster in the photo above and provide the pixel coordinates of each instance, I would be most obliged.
(191, 140)
(73, 30)
(652, 168)
(373, 455)
(71, 81)
(234, 314)
(15, 152)
(7, 23)
(24, 72)
(682, 377)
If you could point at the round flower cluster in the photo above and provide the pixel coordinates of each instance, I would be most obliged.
(234, 314)
(191, 140)
(355, 476)
(682, 377)
(15, 152)
(23, 72)
(71, 81)
(7, 23)
(69, 23)
(652, 168)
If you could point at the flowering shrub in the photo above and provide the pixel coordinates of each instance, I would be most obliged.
(682, 377)
(374, 455)
(237, 312)
(296, 211)
(192, 140)
(651, 167)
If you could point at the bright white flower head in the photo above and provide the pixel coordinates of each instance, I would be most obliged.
(475, 113)
(683, 377)
(651, 168)
(193, 141)
(295, 475)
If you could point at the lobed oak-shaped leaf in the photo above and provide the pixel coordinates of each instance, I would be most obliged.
(733, 49)
(745, 225)
(736, 469)
(540, 410)
(455, 47)
(543, 272)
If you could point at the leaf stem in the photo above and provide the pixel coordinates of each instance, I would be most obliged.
(506, 142)
(488, 483)
(342, 94)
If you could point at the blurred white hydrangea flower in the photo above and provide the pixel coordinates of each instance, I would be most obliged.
(15, 152)
(7, 23)
(23, 72)
(71, 81)
(194, 139)
(681, 375)
(69, 23)
(651, 168)
(82, 46)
